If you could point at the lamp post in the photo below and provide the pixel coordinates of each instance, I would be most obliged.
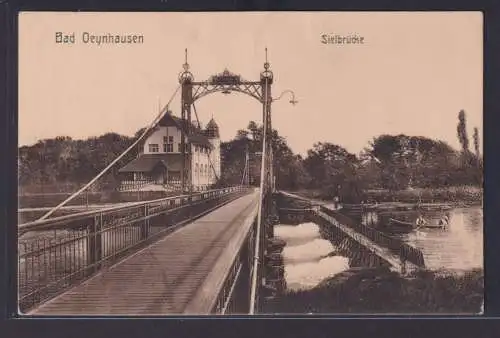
(293, 101)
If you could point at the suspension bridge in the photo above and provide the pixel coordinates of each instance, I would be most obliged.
(199, 252)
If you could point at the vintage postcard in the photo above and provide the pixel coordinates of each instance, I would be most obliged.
(250, 163)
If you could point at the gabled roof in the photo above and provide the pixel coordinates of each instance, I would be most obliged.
(197, 137)
(147, 162)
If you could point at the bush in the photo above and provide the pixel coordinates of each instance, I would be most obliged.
(378, 290)
(468, 194)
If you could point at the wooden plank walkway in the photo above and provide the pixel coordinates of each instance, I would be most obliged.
(162, 278)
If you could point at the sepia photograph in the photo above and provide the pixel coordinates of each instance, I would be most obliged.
(250, 163)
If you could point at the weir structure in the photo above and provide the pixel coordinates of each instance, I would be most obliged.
(364, 245)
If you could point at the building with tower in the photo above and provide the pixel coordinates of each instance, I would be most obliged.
(159, 162)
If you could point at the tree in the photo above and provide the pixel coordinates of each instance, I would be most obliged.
(476, 143)
(255, 130)
(392, 153)
(462, 131)
(242, 133)
(333, 170)
(288, 168)
(415, 160)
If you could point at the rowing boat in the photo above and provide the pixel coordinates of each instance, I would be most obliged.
(401, 225)
(432, 226)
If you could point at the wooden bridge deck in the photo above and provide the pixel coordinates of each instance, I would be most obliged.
(164, 277)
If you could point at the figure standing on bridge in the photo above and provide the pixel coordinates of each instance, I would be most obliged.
(336, 201)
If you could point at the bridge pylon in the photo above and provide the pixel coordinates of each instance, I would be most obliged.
(261, 90)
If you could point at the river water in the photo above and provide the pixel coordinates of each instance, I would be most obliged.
(459, 247)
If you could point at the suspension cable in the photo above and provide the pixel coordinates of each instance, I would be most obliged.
(155, 121)
(253, 290)
(244, 172)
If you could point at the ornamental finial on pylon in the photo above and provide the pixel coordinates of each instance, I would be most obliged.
(186, 64)
(266, 64)
(186, 74)
(266, 74)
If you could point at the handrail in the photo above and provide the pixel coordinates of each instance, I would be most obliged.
(206, 299)
(50, 263)
(404, 250)
(55, 221)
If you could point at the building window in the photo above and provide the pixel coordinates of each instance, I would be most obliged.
(196, 169)
(168, 144)
(154, 148)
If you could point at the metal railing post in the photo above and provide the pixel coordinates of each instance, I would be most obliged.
(94, 244)
(190, 207)
(145, 224)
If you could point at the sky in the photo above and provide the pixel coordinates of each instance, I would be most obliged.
(412, 75)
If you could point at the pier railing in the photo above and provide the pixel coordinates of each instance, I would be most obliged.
(56, 253)
(405, 251)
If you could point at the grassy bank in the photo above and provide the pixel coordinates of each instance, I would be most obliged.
(460, 194)
(380, 291)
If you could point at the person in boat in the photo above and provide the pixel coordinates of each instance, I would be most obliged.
(420, 221)
(444, 221)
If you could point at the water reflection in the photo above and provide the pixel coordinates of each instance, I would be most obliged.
(458, 247)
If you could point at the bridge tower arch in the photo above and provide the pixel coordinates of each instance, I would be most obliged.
(260, 90)
(224, 82)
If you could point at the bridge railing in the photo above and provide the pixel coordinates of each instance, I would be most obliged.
(405, 251)
(58, 252)
(133, 185)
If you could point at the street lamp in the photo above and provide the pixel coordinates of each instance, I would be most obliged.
(288, 91)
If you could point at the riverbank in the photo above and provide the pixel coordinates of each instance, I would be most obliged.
(459, 195)
(380, 291)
